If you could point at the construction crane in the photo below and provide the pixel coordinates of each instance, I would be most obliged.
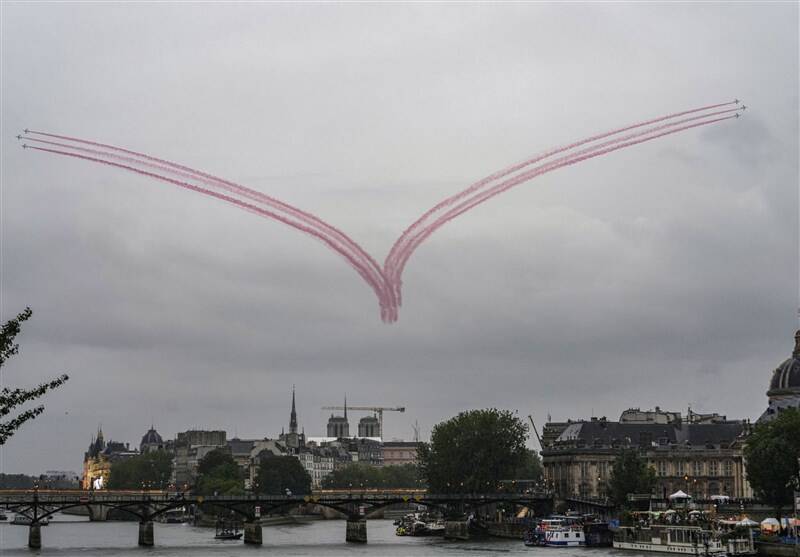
(379, 410)
(536, 432)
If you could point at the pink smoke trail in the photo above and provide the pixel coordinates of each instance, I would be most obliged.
(386, 282)
(370, 264)
(392, 272)
(524, 177)
(389, 263)
(246, 206)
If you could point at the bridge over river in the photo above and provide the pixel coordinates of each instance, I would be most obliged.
(146, 506)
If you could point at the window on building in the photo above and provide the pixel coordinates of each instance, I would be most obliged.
(713, 468)
(727, 468)
(661, 467)
(679, 468)
(698, 468)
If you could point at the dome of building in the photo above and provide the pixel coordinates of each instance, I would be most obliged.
(786, 378)
(784, 388)
(152, 438)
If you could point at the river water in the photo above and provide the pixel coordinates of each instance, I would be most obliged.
(67, 536)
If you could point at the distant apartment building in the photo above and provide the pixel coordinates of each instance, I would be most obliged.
(396, 453)
(190, 448)
(318, 462)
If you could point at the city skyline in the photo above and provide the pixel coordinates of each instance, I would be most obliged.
(663, 277)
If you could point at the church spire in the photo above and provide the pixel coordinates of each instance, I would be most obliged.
(293, 416)
(345, 407)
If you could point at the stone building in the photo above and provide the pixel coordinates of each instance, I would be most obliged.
(784, 388)
(700, 454)
(318, 462)
(190, 448)
(97, 460)
(338, 426)
(369, 426)
(397, 453)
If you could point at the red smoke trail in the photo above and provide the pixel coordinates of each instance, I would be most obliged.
(392, 271)
(386, 282)
(246, 206)
(390, 259)
(524, 177)
(370, 264)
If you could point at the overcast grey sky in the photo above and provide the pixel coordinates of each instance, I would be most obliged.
(665, 274)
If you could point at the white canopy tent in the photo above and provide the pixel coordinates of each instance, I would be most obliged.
(679, 495)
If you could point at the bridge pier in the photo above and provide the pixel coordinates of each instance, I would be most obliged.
(35, 536)
(356, 530)
(146, 533)
(252, 533)
(98, 513)
(456, 530)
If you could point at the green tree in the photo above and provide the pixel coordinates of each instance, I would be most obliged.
(772, 452)
(152, 469)
(474, 451)
(218, 473)
(358, 475)
(10, 399)
(630, 474)
(276, 474)
(530, 471)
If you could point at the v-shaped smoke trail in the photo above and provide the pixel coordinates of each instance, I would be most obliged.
(385, 281)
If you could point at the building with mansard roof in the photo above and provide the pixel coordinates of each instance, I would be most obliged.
(700, 454)
(99, 457)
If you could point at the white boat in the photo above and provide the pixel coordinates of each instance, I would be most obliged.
(564, 537)
(561, 532)
(682, 539)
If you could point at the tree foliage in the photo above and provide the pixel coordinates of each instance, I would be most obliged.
(276, 474)
(772, 454)
(10, 399)
(152, 470)
(531, 467)
(630, 474)
(218, 473)
(358, 475)
(474, 451)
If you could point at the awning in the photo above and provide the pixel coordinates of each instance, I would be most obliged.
(680, 495)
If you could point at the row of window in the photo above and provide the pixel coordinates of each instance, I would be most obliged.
(601, 469)
(695, 468)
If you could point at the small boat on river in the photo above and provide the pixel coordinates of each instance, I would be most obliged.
(227, 530)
